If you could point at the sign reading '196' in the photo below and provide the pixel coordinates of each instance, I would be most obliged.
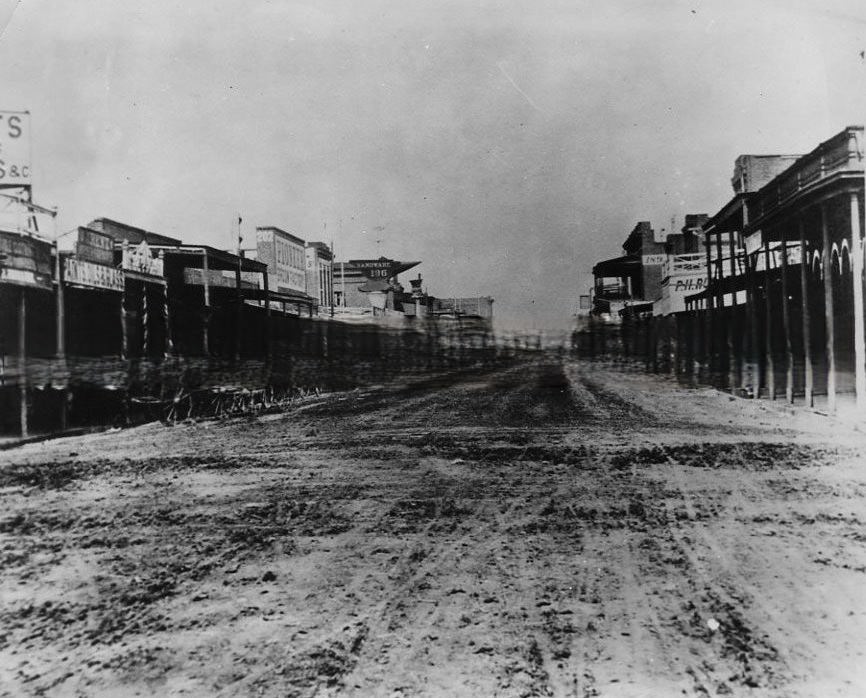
(14, 148)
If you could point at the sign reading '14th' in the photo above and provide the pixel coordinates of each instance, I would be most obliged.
(14, 148)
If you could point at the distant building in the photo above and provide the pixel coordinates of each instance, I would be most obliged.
(320, 273)
(690, 239)
(685, 269)
(784, 265)
(284, 254)
(356, 279)
(633, 279)
(652, 276)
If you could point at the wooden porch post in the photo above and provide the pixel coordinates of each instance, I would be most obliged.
(166, 311)
(22, 356)
(768, 314)
(751, 313)
(857, 271)
(706, 319)
(238, 309)
(205, 343)
(829, 319)
(268, 355)
(166, 316)
(123, 337)
(144, 321)
(809, 379)
(61, 334)
(786, 321)
(693, 329)
(734, 357)
(124, 340)
(752, 320)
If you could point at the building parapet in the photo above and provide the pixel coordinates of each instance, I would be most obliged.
(842, 154)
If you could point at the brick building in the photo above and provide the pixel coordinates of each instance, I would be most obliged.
(285, 255)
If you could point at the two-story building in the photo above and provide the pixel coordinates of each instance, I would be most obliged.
(284, 254)
(684, 270)
(632, 280)
(320, 274)
(783, 304)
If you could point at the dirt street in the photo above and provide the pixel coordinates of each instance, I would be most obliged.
(547, 529)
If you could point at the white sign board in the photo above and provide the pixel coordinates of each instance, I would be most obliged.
(81, 273)
(754, 242)
(14, 149)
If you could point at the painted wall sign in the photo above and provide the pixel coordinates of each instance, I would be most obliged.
(674, 292)
(651, 260)
(688, 284)
(14, 149)
(82, 273)
(285, 257)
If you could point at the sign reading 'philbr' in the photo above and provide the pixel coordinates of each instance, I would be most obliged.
(14, 149)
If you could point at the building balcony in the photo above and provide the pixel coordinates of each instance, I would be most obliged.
(840, 155)
(684, 264)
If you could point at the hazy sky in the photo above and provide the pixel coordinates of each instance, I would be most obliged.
(507, 145)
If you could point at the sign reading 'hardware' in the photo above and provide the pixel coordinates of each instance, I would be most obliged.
(374, 268)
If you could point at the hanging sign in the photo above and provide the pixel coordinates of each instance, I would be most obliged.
(78, 272)
(14, 149)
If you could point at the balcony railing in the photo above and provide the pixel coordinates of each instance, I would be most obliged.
(684, 264)
(612, 291)
(721, 268)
